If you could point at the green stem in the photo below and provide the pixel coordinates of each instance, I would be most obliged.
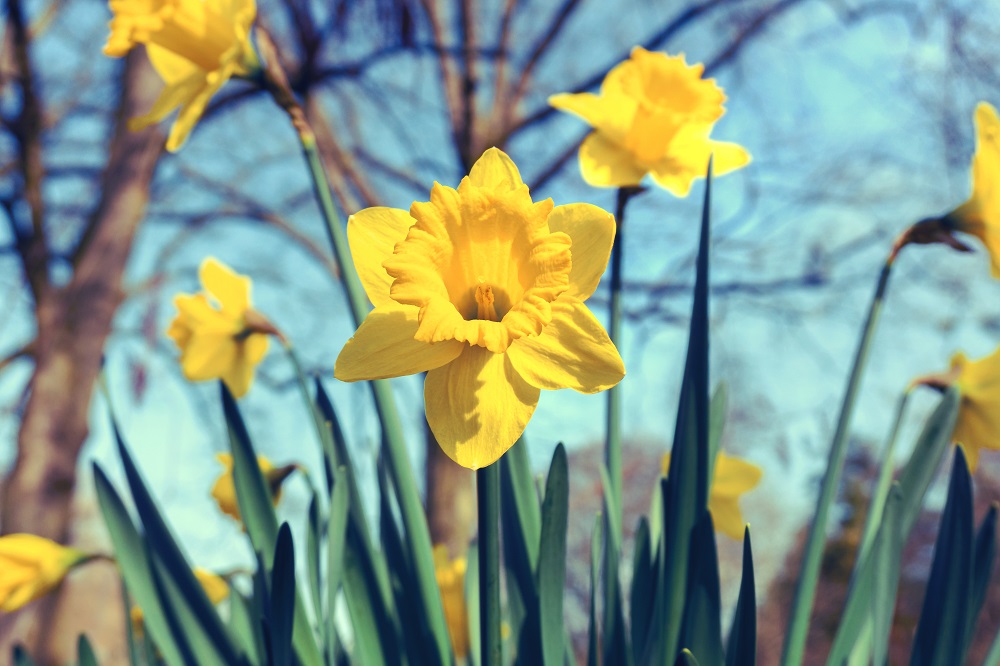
(488, 496)
(613, 452)
(805, 590)
(394, 444)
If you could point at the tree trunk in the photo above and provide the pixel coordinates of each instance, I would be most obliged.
(451, 500)
(73, 323)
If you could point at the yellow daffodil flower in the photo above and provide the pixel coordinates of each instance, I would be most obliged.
(978, 424)
(653, 116)
(483, 290)
(732, 477)
(451, 581)
(224, 489)
(194, 45)
(225, 342)
(32, 566)
(980, 215)
(216, 589)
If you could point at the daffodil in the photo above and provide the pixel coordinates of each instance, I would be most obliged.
(216, 589)
(653, 116)
(980, 215)
(194, 45)
(977, 426)
(31, 566)
(731, 478)
(220, 336)
(451, 581)
(483, 289)
(224, 490)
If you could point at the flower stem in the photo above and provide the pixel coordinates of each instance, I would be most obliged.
(331, 460)
(394, 444)
(488, 496)
(805, 591)
(613, 452)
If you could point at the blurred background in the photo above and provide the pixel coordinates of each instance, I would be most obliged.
(858, 115)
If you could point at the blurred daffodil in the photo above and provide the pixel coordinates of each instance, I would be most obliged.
(216, 589)
(654, 115)
(31, 566)
(732, 478)
(483, 289)
(978, 424)
(980, 215)
(194, 45)
(451, 581)
(225, 342)
(224, 490)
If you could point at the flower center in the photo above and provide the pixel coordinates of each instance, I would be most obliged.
(484, 303)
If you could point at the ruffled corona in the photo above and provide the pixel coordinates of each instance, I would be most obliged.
(653, 116)
(195, 46)
(482, 289)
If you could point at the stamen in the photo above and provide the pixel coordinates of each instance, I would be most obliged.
(484, 301)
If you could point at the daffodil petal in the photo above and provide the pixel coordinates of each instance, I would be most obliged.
(592, 231)
(607, 164)
(727, 517)
(477, 406)
(173, 96)
(727, 157)
(495, 171)
(588, 106)
(208, 356)
(971, 455)
(372, 235)
(384, 347)
(229, 289)
(734, 476)
(573, 351)
(239, 375)
(193, 108)
(173, 68)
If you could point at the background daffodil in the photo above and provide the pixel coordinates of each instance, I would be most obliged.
(31, 566)
(732, 478)
(653, 116)
(225, 342)
(980, 215)
(224, 489)
(195, 46)
(484, 290)
(215, 586)
(977, 426)
(450, 576)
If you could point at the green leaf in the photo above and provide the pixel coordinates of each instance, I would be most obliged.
(257, 510)
(887, 553)
(21, 656)
(643, 585)
(282, 611)
(685, 658)
(688, 479)
(913, 483)
(314, 532)
(362, 596)
(552, 559)
(985, 552)
(593, 642)
(702, 630)
(940, 635)
(84, 653)
(520, 519)
(741, 648)
(336, 536)
(716, 424)
(244, 627)
(616, 648)
(472, 603)
(131, 553)
(204, 630)
(403, 577)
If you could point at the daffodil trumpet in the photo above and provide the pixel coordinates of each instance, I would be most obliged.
(32, 566)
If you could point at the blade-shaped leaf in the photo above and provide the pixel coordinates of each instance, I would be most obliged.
(940, 635)
(282, 613)
(84, 653)
(702, 630)
(642, 587)
(887, 552)
(593, 641)
(552, 559)
(741, 648)
(985, 552)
